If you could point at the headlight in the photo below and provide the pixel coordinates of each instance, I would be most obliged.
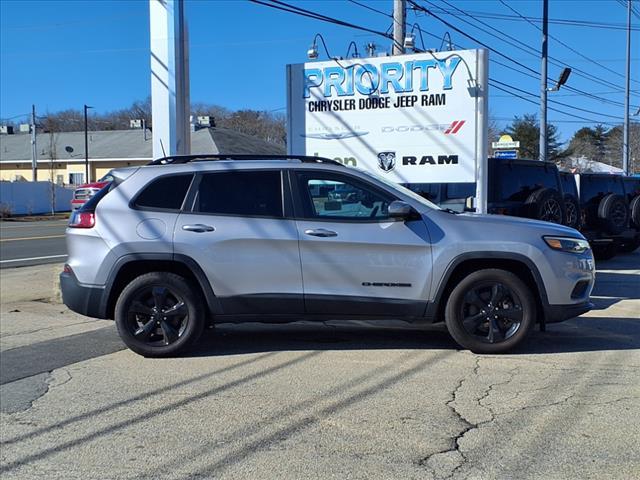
(567, 244)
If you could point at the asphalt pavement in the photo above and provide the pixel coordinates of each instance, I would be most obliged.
(329, 400)
(32, 242)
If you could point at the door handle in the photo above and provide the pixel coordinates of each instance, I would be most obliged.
(198, 227)
(320, 232)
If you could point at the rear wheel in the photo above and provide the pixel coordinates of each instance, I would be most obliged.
(159, 314)
(572, 209)
(546, 204)
(490, 311)
(613, 213)
(634, 212)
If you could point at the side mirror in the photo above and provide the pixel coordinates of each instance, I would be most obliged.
(399, 209)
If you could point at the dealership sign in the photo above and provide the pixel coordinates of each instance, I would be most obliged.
(411, 118)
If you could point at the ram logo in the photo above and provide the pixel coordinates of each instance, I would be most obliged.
(387, 161)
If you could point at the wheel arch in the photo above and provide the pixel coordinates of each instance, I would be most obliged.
(130, 266)
(467, 263)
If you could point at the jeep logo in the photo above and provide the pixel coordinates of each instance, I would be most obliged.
(428, 159)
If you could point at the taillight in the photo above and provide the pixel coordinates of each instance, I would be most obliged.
(81, 219)
(67, 268)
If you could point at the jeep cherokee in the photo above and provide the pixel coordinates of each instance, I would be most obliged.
(185, 241)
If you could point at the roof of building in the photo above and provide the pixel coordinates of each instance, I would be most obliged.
(127, 144)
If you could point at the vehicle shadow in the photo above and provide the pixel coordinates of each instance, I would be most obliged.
(581, 334)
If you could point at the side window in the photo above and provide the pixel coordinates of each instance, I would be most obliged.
(251, 193)
(165, 193)
(338, 197)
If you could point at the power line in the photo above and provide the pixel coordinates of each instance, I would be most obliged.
(533, 51)
(316, 16)
(564, 44)
(307, 13)
(569, 22)
(533, 73)
(588, 120)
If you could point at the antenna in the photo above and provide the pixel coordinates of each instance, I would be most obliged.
(164, 154)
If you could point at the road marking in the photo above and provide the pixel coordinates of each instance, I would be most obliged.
(32, 258)
(32, 225)
(30, 238)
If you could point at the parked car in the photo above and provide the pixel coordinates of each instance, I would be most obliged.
(166, 248)
(608, 223)
(520, 188)
(84, 192)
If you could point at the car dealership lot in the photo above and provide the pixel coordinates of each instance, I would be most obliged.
(309, 401)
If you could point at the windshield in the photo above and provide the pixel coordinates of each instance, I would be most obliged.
(399, 188)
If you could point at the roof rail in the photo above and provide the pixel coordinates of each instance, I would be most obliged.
(177, 159)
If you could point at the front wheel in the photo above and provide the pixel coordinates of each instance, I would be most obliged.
(490, 311)
(159, 314)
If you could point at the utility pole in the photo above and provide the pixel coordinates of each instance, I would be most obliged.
(543, 82)
(625, 135)
(86, 146)
(34, 147)
(399, 26)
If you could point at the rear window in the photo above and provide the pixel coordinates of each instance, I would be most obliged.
(250, 193)
(165, 193)
(593, 188)
(517, 182)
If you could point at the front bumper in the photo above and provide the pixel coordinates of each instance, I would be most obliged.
(560, 313)
(86, 300)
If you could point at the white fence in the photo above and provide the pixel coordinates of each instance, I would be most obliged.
(27, 198)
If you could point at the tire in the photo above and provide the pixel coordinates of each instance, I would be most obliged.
(141, 304)
(605, 252)
(613, 214)
(634, 211)
(471, 300)
(572, 209)
(546, 204)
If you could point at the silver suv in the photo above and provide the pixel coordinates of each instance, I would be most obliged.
(185, 242)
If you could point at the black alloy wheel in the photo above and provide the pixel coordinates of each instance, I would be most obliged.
(159, 314)
(551, 211)
(572, 212)
(490, 311)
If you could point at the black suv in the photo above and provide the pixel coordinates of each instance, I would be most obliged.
(607, 202)
(520, 188)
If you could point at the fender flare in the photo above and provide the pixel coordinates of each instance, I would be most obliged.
(213, 303)
(432, 307)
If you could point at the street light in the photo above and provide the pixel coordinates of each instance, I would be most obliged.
(86, 145)
(564, 76)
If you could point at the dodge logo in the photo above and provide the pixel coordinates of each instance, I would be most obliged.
(387, 161)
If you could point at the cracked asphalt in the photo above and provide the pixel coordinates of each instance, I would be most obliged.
(319, 401)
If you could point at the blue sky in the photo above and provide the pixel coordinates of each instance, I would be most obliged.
(62, 54)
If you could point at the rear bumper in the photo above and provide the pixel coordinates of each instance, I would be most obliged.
(85, 300)
(559, 313)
